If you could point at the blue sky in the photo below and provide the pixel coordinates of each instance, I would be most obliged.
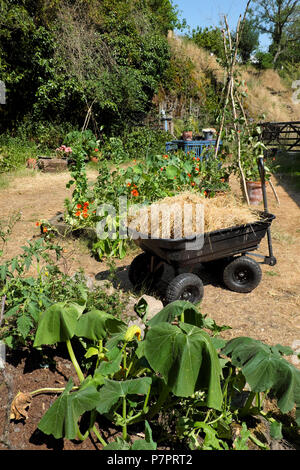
(210, 12)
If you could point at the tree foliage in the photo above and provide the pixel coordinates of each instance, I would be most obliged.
(60, 58)
(278, 18)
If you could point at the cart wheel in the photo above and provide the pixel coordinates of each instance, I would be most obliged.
(140, 274)
(243, 274)
(187, 287)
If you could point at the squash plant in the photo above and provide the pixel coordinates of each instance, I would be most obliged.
(174, 361)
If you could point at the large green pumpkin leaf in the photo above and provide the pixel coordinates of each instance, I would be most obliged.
(265, 369)
(112, 390)
(175, 310)
(191, 315)
(57, 324)
(62, 417)
(187, 360)
(96, 325)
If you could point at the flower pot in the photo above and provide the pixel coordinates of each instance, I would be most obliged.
(187, 135)
(31, 163)
(254, 191)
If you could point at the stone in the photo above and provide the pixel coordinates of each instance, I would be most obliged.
(154, 305)
(52, 165)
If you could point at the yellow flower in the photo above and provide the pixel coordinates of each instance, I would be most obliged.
(133, 331)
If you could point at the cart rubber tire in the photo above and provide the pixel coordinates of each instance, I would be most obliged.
(186, 286)
(242, 275)
(139, 271)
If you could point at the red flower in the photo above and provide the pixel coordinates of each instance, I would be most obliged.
(79, 206)
(134, 192)
(85, 215)
(193, 184)
(45, 230)
(78, 213)
(37, 224)
(128, 184)
(189, 175)
(96, 150)
(161, 169)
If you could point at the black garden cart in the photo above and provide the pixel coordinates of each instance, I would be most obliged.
(224, 251)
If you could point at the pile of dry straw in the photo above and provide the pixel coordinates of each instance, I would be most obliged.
(189, 213)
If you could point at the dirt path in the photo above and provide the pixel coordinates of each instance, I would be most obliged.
(270, 313)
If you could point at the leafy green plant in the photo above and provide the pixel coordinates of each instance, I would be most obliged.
(142, 370)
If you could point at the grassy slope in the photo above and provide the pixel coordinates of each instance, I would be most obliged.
(267, 94)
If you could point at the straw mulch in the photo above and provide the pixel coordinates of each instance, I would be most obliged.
(189, 213)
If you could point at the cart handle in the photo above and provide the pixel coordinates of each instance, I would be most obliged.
(270, 260)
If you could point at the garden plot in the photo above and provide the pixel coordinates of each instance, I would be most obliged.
(270, 314)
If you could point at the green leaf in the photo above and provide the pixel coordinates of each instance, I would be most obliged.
(186, 359)
(147, 443)
(113, 365)
(91, 352)
(175, 310)
(240, 443)
(118, 444)
(62, 417)
(57, 324)
(265, 369)
(112, 390)
(24, 325)
(12, 311)
(211, 441)
(276, 430)
(96, 325)
(171, 171)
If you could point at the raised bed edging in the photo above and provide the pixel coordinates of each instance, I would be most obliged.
(63, 229)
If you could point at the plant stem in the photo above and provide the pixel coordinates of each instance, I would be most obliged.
(50, 390)
(74, 361)
(124, 427)
(248, 404)
(99, 437)
(161, 399)
(100, 349)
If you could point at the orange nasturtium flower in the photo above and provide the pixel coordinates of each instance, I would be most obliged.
(37, 224)
(134, 192)
(85, 215)
(128, 185)
(78, 213)
(193, 183)
(79, 206)
(45, 230)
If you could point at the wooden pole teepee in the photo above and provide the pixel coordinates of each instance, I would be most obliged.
(229, 93)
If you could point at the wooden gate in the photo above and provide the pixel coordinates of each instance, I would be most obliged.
(284, 135)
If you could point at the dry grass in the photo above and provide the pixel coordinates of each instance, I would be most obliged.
(189, 213)
(267, 94)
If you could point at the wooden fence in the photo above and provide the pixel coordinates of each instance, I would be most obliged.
(283, 135)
